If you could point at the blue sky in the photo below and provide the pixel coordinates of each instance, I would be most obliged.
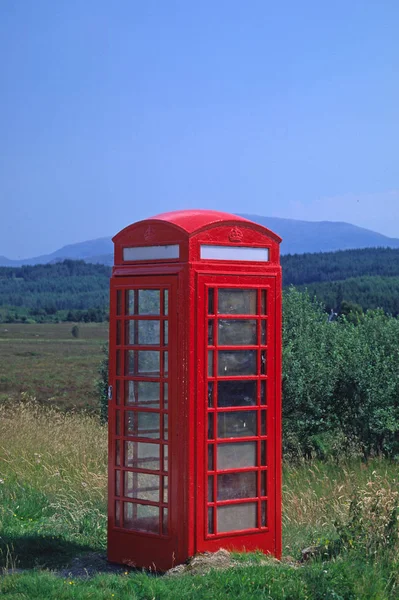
(113, 111)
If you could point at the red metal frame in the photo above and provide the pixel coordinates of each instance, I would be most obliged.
(188, 281)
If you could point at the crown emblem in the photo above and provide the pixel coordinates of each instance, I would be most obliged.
(236, 235)
(149, 234)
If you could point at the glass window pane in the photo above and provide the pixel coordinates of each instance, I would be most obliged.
(238, 423)
(210, 458)
(130, 302)
(149, 302)
(210, 426)
(165, 363)
(142, 424)
(117, 514)
(142, 486)
(211, 528)
(142, 393)
(211, 304)
(237, 332)
(263, 425)
(236, 393)
(210, 489)
(210, 394)
(236, 455)
(141, 517)
(263, 397)
(117, 453)
(165, 457)
(165, 333)
(210, 333)
(263, 514)
(143, 333)
(263, 333)
(263, 454)
(263, 302)
(165, 427)
(236, 517)
(236, 302)
(263, 362)
(166, 302)
(232, 486)
(139, 455)
(117, 483)
(165, 490)
(236, 362)
(165, 395)
(263, 483)
(142, 362)
(210, 363)
(165, 522)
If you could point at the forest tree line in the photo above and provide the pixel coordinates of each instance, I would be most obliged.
(345, 281)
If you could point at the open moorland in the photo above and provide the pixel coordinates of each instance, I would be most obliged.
(47, 362)
(53, 498)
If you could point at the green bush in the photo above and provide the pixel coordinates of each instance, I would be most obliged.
(340, 381)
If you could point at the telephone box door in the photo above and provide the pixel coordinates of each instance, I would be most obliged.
(237, 413)
(141, 472)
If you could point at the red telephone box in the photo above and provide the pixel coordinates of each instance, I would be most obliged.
(194, 396)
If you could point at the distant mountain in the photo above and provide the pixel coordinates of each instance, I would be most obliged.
(322, 236)
(299, 237)
(94, 251)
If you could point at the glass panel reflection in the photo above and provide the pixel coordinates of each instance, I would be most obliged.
(236, 302)
(210, 363)
(142, 393)
(236, 362)
(263, 333)
(210, 333)
(237, 424)
(211, 528)
(140, 455)
(117, 514)
(143, 333)
(263, 302)
(166, 302)
(237, 332)
(142, 424)
(141, 517)
(236, 455)
(236, 393)
(211, 309)
(142, 362)
(149, 302)
(165, 521)
(232, 486)
(130, 302)
(236, 517)
(165, 395)
(142, 486)
(263, 514)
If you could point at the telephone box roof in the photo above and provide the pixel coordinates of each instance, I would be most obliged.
(194, 220)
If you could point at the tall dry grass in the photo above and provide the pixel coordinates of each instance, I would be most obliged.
(62, 457)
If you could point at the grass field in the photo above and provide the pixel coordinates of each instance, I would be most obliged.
(53, 499)
(47, 362)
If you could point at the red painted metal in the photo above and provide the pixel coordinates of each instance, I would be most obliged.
(221, 483)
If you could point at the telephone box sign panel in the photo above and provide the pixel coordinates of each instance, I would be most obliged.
(234, 253)
(151, 252)
(195, 374)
